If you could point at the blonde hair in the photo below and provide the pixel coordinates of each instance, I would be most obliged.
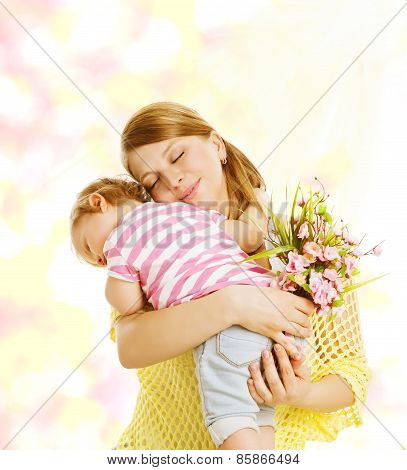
(117, 191)
(166, 120)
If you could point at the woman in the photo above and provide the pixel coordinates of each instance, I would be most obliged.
(178, 156)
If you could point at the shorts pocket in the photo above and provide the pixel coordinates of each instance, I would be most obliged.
(239, 346)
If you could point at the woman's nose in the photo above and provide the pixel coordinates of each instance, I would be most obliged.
(175, 180)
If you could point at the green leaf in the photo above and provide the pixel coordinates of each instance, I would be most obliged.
(268, 253)
(355, 271)
(311, 206)
(363, 283)
(327, 217)
(337, 303)
(281, 229)
(343, 270)
(330, 238)
(321, 208)
(294, 202)
(306, 287)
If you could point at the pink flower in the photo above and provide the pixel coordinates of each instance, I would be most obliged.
(338, 285)
(330, 274)
(320, 297)
(330, 253)
(323, 310)
(356, 251)
(297, 263)
(300, 279)
(289, 286)
(274, 281)
(338, 264)
(303, 232)
(311, 259)
(286, 284)
(312, 248)
(377, 251)
(315, 281)
(350, 262)
(332, 293)
(351, 239)
(325, 294)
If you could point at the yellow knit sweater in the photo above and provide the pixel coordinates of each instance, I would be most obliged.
(168, 411)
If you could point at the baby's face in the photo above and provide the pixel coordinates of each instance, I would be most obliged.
(92, 232)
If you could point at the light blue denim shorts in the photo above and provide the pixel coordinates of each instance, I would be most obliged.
(221, 366)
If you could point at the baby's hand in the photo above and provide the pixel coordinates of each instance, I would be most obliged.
(292, 339)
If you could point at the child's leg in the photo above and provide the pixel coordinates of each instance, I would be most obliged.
(267, 437)
(229, 410)
(243, 439)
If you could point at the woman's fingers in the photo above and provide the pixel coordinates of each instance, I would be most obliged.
(253, 392)
(298, 330)
(299, 318)
(304, 305)
(288, 344)
(272, 377)
(261, 388)
(286, 369)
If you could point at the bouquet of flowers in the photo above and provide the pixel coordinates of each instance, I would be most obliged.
(320, 259)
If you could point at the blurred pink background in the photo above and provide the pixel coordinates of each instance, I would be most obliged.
(252, 69)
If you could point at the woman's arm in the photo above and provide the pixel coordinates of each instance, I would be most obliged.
(291, 384)
(330, 393)
(144, 339)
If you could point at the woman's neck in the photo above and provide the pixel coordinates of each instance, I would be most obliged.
(224, 202)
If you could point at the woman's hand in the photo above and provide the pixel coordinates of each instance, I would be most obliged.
(290, 386)
(271, 312)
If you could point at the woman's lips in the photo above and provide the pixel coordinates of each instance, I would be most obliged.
(194, 190)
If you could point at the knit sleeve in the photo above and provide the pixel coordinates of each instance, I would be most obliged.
(336, 349)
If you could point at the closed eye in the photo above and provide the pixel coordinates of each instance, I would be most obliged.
(151, 187)
(178, 157)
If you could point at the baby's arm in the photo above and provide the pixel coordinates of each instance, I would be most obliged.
(124, 296)
(251, 227)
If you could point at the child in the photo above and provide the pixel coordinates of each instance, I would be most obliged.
(176, 252)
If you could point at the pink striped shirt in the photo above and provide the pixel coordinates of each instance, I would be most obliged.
(177, 252)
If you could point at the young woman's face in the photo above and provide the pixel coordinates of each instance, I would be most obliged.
(170, 169)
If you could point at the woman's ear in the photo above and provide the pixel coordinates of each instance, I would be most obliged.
(220, 144)
(97, 200)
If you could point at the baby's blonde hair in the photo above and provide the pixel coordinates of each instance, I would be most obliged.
(117, 191)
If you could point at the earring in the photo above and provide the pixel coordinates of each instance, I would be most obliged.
(224, 161)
